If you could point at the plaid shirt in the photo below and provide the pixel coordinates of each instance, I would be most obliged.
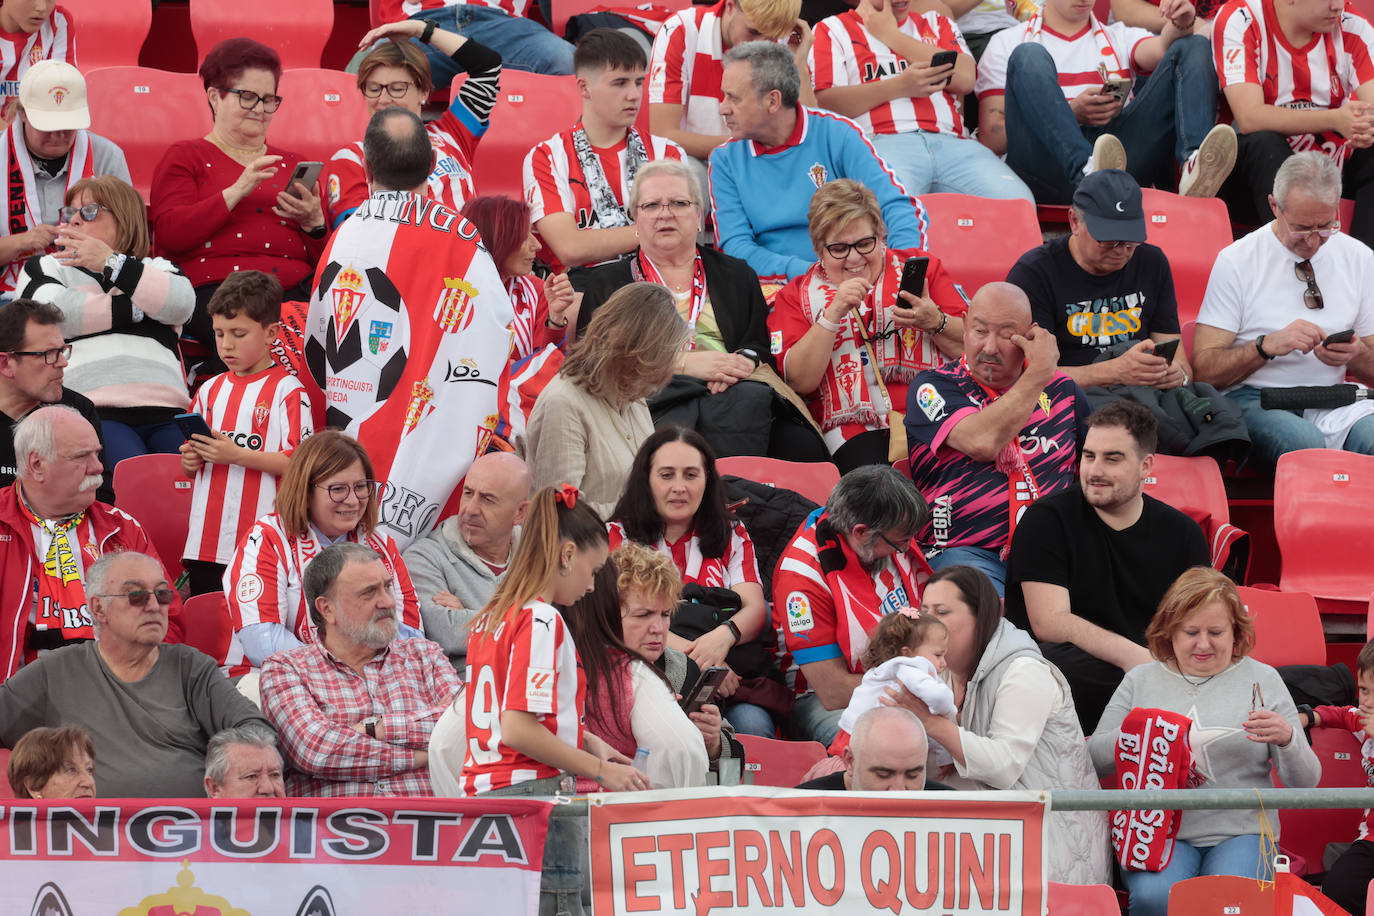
(314, 700)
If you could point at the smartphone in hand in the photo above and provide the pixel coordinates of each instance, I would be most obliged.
(705, 689)
(1339, 337)
(913, 278)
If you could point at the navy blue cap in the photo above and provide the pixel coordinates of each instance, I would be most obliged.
(1111, 205)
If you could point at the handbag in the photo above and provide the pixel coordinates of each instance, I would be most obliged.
(896, 419)
(702, 609)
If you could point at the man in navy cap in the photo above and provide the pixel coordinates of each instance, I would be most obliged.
(1107, 295)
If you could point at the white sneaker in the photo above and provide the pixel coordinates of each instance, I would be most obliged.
(1108, 153)
(1206, 170)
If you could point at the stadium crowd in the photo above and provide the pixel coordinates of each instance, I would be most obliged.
(457, 524)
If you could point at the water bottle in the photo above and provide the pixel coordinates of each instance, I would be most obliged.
(641, 759)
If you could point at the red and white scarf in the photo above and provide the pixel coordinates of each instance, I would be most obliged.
(59, 589)
(21, 186)
(1151, 753)
(845, 394)
(643, 269)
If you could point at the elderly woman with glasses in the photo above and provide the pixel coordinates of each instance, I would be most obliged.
(847, 339)
(221, 203)
(328, 494)
(122, 310)
(396, 74)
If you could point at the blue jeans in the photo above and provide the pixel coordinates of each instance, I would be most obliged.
(928, 163)
(980, 558)
(1274, 432)
(567, 855)
(124, 441)
(1170, 114)
(748, 719)
(813, 722)
(1240, 855)
(523, 43)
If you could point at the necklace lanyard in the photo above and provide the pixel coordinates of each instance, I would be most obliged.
(650, 272)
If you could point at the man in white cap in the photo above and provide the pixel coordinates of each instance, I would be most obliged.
(46, 150)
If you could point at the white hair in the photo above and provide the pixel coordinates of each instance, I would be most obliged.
(34, 435)
(1312, 172)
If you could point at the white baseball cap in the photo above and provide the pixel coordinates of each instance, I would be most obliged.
(53, 94)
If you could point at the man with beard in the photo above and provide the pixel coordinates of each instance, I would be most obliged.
(850, 564)
(355, 708)
(1088, 567)
(52, 530)
(992, 432)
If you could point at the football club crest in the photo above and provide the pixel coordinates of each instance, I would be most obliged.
(379, 337)
(421, 405)
(348, 298)
(454, 312)
(58, 93)
(1045, 403)
(817, 173)
(260, 414)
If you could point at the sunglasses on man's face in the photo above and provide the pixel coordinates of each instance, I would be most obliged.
(138, 597)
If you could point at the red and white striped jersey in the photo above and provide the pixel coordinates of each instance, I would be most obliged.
(54, 40)
(450, 182)
(529, 664)
(847, 54)
(264, 412)
(1075, 56)
(263, 582)
(554, 182)
(1249, 47)
(736, 567)
(395, 10)
(686, 67)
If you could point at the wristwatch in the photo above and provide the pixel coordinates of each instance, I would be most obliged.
(1259, 345)
(370, 725)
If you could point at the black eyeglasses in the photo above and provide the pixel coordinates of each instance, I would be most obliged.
(248, 100)
(840, 250)
(51, 357)
(88, 212)
(138, 597)
(338, 492)
(899, 548)
(396, 90)
(1312, 296)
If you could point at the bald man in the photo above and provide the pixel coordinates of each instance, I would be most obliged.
(455, 568)
(991, 433)
(886, 753)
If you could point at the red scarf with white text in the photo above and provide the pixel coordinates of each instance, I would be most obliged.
(21, 188)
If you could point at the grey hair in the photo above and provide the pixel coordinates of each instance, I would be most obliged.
(321, 572)
(217, 750)
(34, 435)
(669, 167)
(770, 67)
(1312, 172)
(98, 578)
(879, 497)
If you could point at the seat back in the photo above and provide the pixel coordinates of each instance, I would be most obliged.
(207, 624)
(530, 108)
(296, 29)
(1211, 895)
(1306, 831)
(1081, 900)
(978, 239)
(145, 111)
(111, 32)
(153, 490)
(1324, 539)
(812, 479)
(324, 112)
(779, 763)
(1288, 627)
(1189, 483)
(1192, 231)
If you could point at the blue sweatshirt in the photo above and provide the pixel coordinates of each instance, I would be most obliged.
(761, 195)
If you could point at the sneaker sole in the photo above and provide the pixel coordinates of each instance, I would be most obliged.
(1215, 159)
(1108, 153)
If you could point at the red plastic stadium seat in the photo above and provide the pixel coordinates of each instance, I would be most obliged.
(530, 108)
(296, 29)
(208, 628)
(153, 490)
(812, 479)
(1189, 483)
(1186, 331)
(321, 111)
(145, 111)
(1306, 831)
(1192, 231)
(1288, 628)
(779, 763)
(1321, 501)
(1081, 900)
(1212, 895)
(978, 239)
(110, 33)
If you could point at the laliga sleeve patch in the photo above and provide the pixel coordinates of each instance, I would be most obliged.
(798, 613)
(539, 686)
(930, 402)
(249, 588)
(775, 342)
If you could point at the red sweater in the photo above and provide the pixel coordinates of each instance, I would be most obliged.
(192, 226)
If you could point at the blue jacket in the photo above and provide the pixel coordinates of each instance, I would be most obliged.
(761, 196)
